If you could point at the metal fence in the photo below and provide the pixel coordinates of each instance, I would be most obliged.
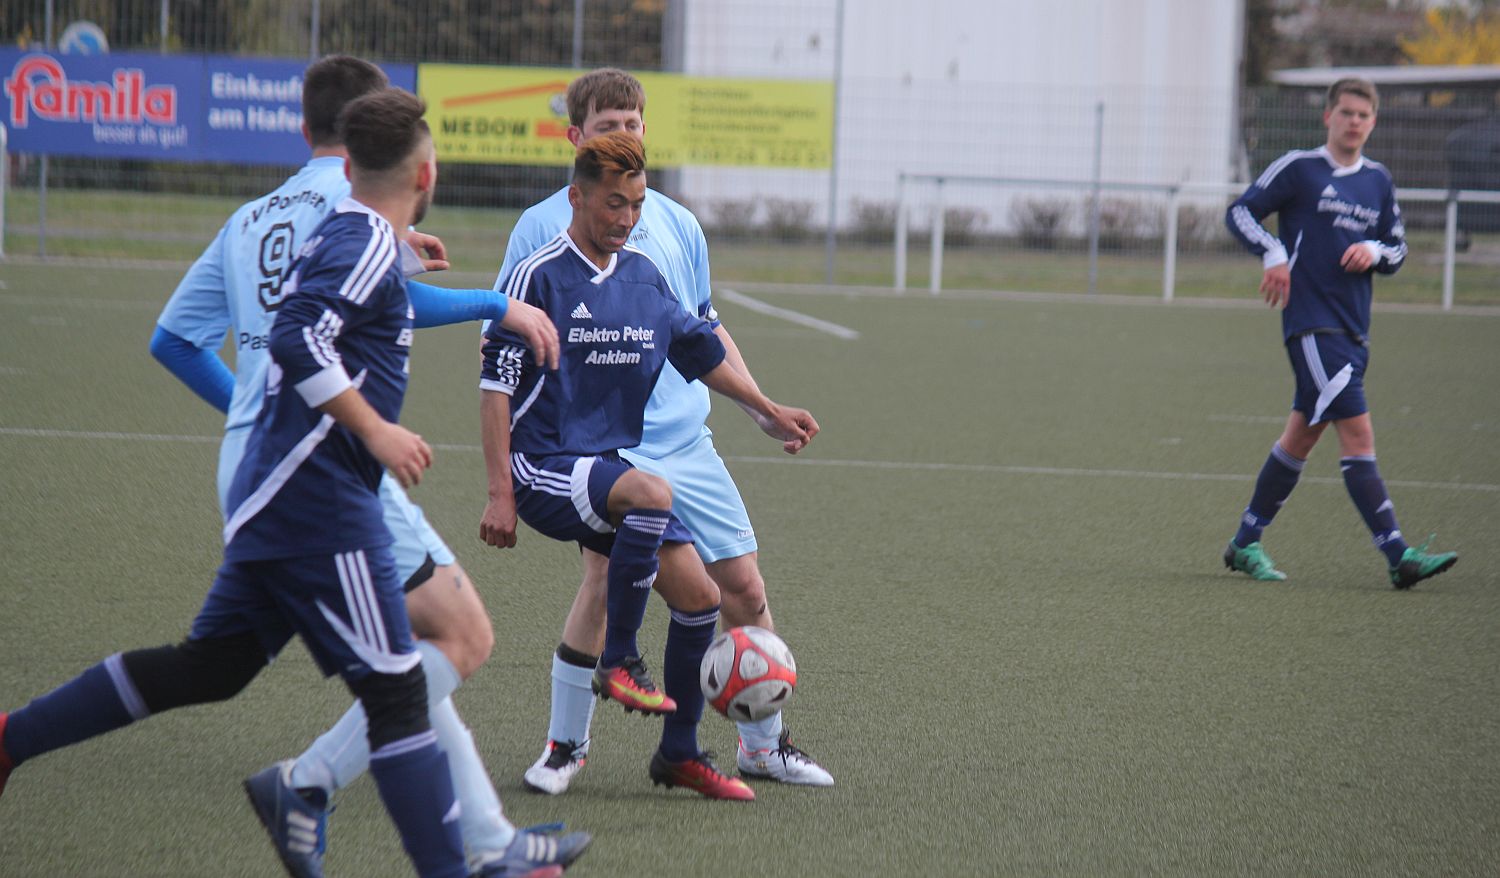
(923, 119)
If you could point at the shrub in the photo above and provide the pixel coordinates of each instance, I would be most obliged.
(961, 225)
(874, 221)
(1039, 222)
(788, 219)
(734, 217)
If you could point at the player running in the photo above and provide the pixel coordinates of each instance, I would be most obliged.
(675, 445)
(237, 285)
(1338, 221)
(306, 548)
(553, 456)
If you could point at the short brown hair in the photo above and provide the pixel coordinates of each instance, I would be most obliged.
(617, 152)
(608, 88)
(381, 129)
(1353, 85)
(328, 85)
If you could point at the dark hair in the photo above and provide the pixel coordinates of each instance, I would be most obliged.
(617, 152)
(608, 88)
(1352, 85)
(381, 129)
(328, 85)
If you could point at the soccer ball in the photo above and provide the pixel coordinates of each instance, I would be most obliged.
(748, 673)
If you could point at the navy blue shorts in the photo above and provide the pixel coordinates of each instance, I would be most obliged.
(349, 609)
(1330, 370)
(567, 498)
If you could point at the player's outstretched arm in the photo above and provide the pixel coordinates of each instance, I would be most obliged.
(795, 427)
(497, 527)
(402, 452)
(201, 370)
(533, 324)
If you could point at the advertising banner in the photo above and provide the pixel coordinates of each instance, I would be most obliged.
(175, 108)
(517, 115)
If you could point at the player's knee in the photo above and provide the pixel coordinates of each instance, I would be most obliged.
(649, 492)
(195, 671)
(395, 705)
(472, 646)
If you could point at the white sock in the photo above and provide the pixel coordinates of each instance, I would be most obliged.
(342, 753)
(485, 830)
(762, 734)
(572, 703)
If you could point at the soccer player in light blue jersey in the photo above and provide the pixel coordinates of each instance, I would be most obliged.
(1338, 223)
(552, 440)
(306, 550)
(237, 286)
(676, 445)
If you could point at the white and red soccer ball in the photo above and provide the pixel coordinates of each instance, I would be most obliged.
(748, 673)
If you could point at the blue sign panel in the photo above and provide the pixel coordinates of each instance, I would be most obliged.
(176, 108)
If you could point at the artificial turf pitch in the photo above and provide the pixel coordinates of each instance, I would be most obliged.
(998, 567)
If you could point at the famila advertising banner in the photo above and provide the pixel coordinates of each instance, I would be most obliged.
(174, 108)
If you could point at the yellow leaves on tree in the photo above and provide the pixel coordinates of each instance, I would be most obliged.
(1453, 37)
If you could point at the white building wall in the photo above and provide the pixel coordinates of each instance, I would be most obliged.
(986, 87)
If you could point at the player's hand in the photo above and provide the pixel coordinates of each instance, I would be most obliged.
(1357, 259)
(498, 526)
(793, 426)
(402, 452)
(533, 324)
(430, 248)
(1276, 285)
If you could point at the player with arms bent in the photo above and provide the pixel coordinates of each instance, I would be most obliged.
(553, 456)
(306, 549)
(675, 445)
(238, 285)
(1339, 221)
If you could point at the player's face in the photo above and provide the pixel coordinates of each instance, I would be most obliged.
(605, 213)
(605, 121)
(1349, 124)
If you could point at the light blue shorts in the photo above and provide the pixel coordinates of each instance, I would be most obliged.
(414, 537)
(704, 498)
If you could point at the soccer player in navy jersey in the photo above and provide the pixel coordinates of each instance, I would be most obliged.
(237, 285)
(306, 548)
(1338, 222)
(676, 444)
(552, 441)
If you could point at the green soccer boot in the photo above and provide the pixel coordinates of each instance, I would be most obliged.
(1417, 565)
(1253, 561)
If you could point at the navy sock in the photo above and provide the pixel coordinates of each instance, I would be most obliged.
(1274, 484)
(99, 700)
(632, 570)
(412, 775)
(688, 637)
(1367, 490)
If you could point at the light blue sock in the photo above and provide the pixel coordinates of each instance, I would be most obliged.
(485, 830)
(762, 734)
(572, 703)
(342, 753)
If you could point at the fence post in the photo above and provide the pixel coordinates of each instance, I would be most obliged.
(1097, 189)
(4, 179)
(1450, 248)
(936, 284)
(1169, 266)
(900, 280)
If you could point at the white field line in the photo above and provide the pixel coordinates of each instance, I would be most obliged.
(899, 465)
(796, 317)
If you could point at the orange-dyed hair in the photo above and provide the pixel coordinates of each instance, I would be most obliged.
(617, 152)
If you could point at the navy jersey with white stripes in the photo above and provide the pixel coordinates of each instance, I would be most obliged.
(619, 327)
(1322, 208)
(306, 485)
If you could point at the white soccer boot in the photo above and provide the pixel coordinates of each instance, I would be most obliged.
(555, 769)
(785, 763)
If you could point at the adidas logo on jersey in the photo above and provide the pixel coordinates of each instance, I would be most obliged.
(1330, 192)
(581, 313)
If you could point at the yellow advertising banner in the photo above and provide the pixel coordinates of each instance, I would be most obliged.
(517, 116)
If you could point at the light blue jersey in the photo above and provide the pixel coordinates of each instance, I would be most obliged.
(671, 236)
(236, 285)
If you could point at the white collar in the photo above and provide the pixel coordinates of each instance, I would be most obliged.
(599, 273)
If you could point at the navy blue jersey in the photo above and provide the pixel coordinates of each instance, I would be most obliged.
(618, 325)
(307, 486)
(1322, 208)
